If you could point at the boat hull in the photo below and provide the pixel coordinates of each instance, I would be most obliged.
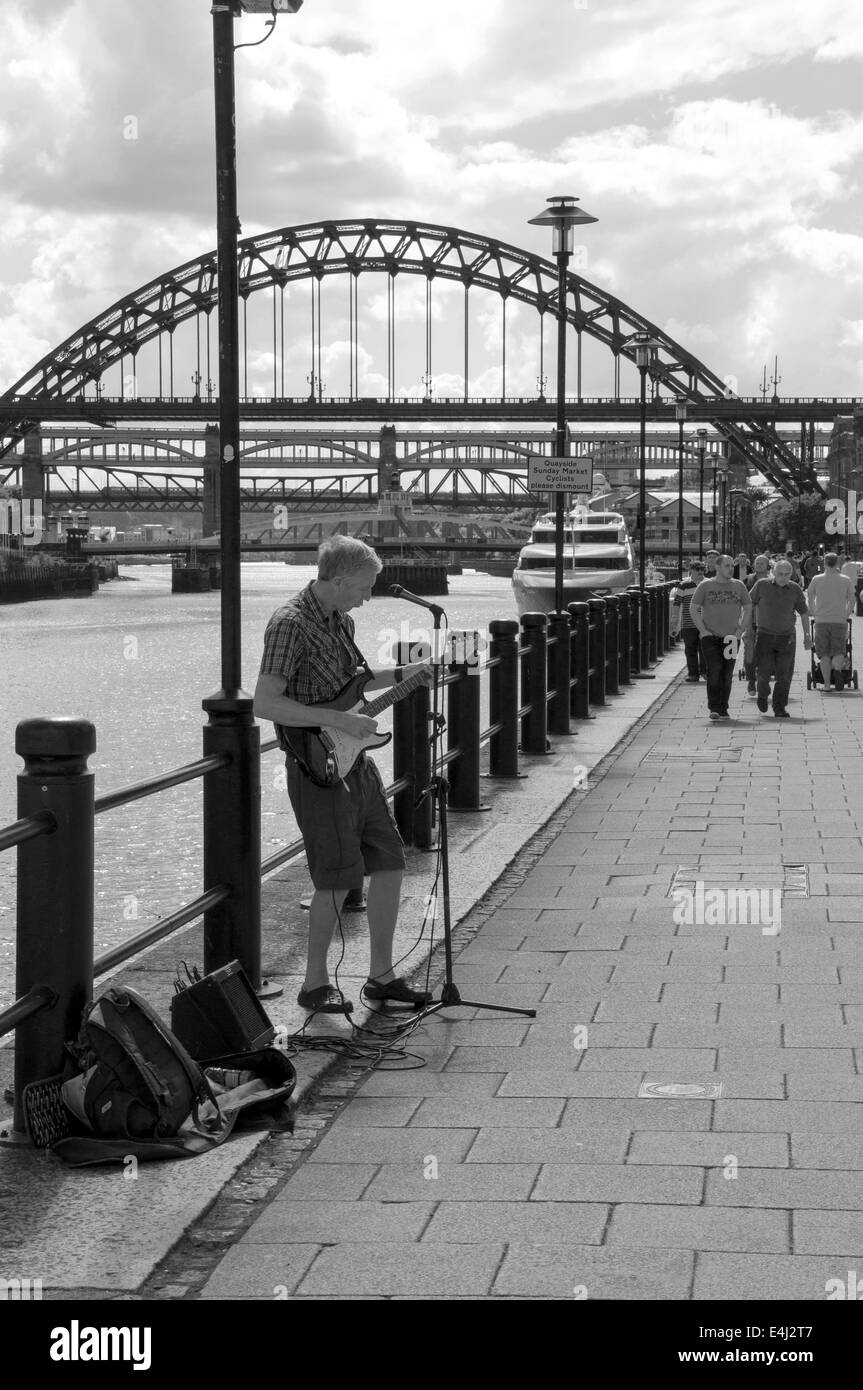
(534, 589)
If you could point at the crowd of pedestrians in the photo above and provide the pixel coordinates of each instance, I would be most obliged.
(723, 603)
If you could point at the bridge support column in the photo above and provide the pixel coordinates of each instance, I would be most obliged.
(212, 509)
(33, 469)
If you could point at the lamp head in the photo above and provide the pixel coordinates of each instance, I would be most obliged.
(271, 7)
(562, 215)
(644, 348)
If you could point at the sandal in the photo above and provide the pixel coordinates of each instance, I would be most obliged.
(397, 992)
(326, 999)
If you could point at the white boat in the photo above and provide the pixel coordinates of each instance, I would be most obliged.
(597, 560)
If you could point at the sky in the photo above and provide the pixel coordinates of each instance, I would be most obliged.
(718, 143)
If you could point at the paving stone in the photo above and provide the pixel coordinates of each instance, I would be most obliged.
(598, 1084)
(382, 1110)
(599, 1035)
(346, 1143)
(455, 1182)
(710, 1150)
(757, 1278)
(826, 1151)
(675, 1060)
(533, 1223)
(405, 1269)
(569, 1271)
(261, 1272)
(594, 1145)
(826, 1062)
(797, 1117)
(419, 1082)
(452, 1112)
(325, 1182)
(789, 1188)
(573, 1182)
(753, 1031)
(829, 1233)
(295, 1221)
(699, 1228)
(639, 1114)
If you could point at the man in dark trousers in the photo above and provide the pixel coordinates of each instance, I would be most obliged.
(347, 828)
(681, 621)
(760, 570)
(720, 610)
(775, 601)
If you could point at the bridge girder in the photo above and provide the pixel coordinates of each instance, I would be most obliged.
(385, 246)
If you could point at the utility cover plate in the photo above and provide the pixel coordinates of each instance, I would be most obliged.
(680, 1090)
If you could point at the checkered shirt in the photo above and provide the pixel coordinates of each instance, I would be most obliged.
(314, 655)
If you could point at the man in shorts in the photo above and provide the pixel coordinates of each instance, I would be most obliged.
(831, 598)
(347, 828)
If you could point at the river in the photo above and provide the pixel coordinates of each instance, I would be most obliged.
(137, 661)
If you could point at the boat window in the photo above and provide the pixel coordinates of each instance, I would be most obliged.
(581, 562)
(596, 537)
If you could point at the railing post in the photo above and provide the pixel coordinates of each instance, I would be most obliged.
(232, 835)
(534, 724)
(579, 615)
(464, 723)
(597, 650)
(503, 698)
(653, 599)
(412, 758)
(624, 676)
(558, 673)
(612, 637)
(634, 631)
(54, 946)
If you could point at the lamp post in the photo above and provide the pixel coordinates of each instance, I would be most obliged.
(714, 537)
(562, 216)
(702, 440)
(680, 413)
(723, 487)
(645, 356)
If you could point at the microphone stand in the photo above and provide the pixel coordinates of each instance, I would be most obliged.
(438, 787)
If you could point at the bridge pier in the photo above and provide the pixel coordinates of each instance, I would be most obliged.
(33, 469)
(212, 463)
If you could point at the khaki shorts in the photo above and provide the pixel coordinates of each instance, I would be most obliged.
(347, 829)
(830, 639)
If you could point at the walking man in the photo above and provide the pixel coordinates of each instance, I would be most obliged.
(759, 571)
(347, 828)
(720, 609)
(681, 621)
(774, 603)
(831, 597)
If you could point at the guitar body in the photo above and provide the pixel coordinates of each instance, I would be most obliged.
(328, 755)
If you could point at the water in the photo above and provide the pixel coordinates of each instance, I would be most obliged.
(137, 661)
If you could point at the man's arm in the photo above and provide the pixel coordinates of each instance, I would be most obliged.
(696, 611)
(272, 703)
(745, 615)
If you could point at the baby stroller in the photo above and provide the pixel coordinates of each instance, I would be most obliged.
(840, 680)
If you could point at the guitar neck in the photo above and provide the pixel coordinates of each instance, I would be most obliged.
(390, 697)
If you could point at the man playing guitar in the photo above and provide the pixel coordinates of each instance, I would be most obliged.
(347, 826)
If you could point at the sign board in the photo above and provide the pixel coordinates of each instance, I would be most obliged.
(546, 474)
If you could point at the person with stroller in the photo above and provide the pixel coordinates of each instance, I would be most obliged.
(831, 599)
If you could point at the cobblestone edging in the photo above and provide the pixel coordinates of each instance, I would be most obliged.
(189, 1265)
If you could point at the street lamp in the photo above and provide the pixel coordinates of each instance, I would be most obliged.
(562, 216)
(645, 357)
(680, 413)
(702, 440)
(723, 487)
(714, 540)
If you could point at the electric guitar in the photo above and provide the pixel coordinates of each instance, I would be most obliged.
(328, 755)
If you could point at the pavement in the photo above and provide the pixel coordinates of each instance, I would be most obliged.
(93, 1233)
(682, 1120)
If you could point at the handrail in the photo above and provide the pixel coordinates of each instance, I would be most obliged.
(40, 823)
(38, 998)
(137, 791)
(164, 927)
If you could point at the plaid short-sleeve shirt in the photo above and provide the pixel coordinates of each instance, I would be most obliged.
(313, 652)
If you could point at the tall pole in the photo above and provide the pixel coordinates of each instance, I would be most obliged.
(642, 482)
(681, 417)
(229, 363)
(702, 434)
(562, 258)
(715, 537)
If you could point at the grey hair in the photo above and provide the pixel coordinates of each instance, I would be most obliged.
(341, 556)
(830, 559)
(783, 565)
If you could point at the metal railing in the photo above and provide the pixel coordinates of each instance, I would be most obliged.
(542, 672)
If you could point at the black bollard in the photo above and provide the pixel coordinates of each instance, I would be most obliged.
(412, 758)
(464, 722)
(232, 835)
(612, 625)
(624, 676)
(558, 672)
(597, 650)
(503, 697)
(579, 616)
(54, 946)
(534, 723)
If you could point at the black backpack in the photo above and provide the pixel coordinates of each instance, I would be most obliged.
(139, 1081)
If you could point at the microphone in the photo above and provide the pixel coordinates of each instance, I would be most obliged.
(398, 592)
